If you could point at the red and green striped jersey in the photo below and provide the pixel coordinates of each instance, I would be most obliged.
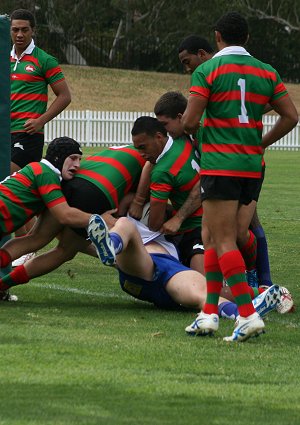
(237, 87)
(27, 193)
(115, 171)
(30, 77)
(174, 175)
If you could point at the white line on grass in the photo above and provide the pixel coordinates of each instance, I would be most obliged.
(79, 291)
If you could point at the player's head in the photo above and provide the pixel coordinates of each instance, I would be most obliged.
(149, 137)
(64, 154)
(193, 51)
(22, 25)
(169, 110)
(232, 29)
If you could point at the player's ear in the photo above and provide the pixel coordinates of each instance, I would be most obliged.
(218, 36)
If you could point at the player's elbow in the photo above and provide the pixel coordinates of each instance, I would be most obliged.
(67, 99)
(295, 119)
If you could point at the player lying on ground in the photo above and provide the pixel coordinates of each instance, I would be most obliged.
(158, 277)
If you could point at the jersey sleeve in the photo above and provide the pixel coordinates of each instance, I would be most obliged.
(52, 70)
(161, 185)
(279, 89)
(199, 84)
(49, 189)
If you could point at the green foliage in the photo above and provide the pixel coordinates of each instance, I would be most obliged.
(76, 350)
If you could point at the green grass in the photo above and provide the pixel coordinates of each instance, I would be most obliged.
(76, 350)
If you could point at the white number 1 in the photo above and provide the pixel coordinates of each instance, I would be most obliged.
(243, 118)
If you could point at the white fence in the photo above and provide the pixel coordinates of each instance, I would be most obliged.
(104, 128)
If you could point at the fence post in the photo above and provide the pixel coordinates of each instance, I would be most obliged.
(88, 127)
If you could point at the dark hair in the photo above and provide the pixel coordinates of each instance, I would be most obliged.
(233, 28)
(24, 15)
(148, 125)
(193, 43)
(170, 104)
(60, 148)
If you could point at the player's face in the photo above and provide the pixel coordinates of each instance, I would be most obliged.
(71, 166)
(190, 61)
(21, 34)
(173, 125)
(148, 146)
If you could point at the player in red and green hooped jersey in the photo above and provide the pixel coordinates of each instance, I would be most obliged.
(36, 188)
(175, 171)
(115, 171)
(32, 71)
(193, 51)
(99, 185)
(233, 88)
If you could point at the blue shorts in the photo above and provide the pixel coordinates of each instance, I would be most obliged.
(154, 291)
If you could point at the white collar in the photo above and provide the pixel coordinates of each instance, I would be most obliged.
(232, 50)
(165, 149)
(51, 166)
(27, 51)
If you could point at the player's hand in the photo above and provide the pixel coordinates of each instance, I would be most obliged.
(136, 210)
(171, 226)
(33, 125)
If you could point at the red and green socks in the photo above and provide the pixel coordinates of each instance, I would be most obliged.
(17, 277)
(233, 269)
(214, 281)
(5, 258)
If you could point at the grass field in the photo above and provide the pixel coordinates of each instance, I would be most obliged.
(76, 350)
(105, 89)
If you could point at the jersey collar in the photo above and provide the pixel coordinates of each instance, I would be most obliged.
(232, 50)
(51, 166)
(166, 148)
(27, 51)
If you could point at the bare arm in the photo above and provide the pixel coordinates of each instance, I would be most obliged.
(61, 101)
(142, 193)
(69, 216)
(288, 119)
(192, 203)
(157, 215)
(193, 113)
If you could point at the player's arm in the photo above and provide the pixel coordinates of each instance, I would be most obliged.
(157, 214)
(268, 107)
(61, 101)
(69, 216)
(142, 192)
(193, 113)
(288, 119)
(192, 203)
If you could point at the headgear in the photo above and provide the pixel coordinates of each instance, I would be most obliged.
(59, 149)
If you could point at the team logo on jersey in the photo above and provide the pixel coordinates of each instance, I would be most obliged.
(29, 68)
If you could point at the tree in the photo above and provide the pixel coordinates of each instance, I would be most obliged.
(285, 12)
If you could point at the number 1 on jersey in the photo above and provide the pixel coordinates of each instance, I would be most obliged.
(243, 118)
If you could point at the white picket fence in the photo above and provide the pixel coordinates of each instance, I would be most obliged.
(106, 128)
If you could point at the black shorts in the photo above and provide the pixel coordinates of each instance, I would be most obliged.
(26, 148)
(188, 244)
(261, 180)
(85, 196)
(226, 188)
